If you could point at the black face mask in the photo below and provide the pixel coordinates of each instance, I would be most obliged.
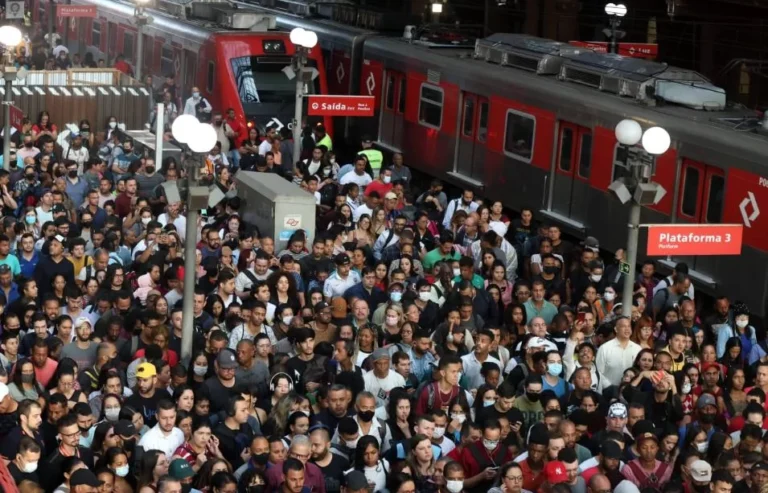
(365, 416)
(30, 177)
(533, 397)
(186, 488)
(256, 488)
(86, 224)
(551, 269)
(28, 145)
(150, 169)
(260, 459)
(707, 419)
(72, 173)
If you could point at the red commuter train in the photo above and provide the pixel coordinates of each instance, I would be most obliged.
(531, 122)
(229, 53)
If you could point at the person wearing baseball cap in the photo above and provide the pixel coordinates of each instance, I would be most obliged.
(646, 471)
(382, 379)
(701, 473)
(554, 473)
(355, 482)
(340, 281)
(83, 481)
(608, 463)
(147, 396)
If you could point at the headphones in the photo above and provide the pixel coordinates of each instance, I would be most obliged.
(272, 381)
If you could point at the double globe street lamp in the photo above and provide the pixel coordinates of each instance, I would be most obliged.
(10, 38)
(615, 13)
(637, 187)
(303, 40)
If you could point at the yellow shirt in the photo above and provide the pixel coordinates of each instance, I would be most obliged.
(79, 264)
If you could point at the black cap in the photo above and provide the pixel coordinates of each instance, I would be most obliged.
(642, 427)
(83, 477)
(57, 208)
(355, 480)
(539, 434)
(320, 306)
(610, 450)
(342, 259)
(125, 428)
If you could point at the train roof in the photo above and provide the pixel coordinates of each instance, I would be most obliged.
(731, 127)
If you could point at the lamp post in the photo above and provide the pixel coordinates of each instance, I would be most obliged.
(199, 138)
(10, 37)
(304, 41)
(141, 20)
(436, 8)
(615, 13)
(638, 188)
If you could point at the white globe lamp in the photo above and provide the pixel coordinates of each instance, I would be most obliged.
(629, 132)
(182, 128)
(10, 35)
(656, 141)
(204, 138)
(297, 36)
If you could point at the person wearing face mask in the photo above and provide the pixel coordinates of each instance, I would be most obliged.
(180, 470)
(482, 459)
(381, 185)
(552, 378)
(73, 149)
(529, 403)
(604, 305)
(741, 329)
(198, 106)
(24, 465)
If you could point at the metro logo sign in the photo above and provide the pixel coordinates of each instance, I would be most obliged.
(327, 105)
(694, 239)
(634, 50)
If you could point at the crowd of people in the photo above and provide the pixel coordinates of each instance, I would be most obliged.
(414, 342)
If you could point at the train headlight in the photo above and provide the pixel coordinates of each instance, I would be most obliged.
(273, 46)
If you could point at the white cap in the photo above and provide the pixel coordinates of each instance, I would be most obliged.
(542, 343)
(3, 391)
(498, 227)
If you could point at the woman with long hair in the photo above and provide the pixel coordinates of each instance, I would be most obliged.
(458, 413)
(378, 221)
(116, 460)
(111, 405)
(282, 290)
(24, 384)
(198, 369)
(104, 438)
(153, 466)
(363, 235)
(366, 343)
(515, 318)
(214, 306)
(733, 400)
(685, 393)
(733, 356)
(486, 397)
(400, 414)
(184, 397)
(64, 382)
(367, 459)
(277, 423)
(223, 482)
(420, 463)
(642, 333)
(393, 320)
(498, 277)
(204, 476)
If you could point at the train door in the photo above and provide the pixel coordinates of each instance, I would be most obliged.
(472, 136)
(701, 192)
(393, 110)
(570, 191)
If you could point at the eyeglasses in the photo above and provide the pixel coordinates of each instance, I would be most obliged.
(518, 479)
(70, 435)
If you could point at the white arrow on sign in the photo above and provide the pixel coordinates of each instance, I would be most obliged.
(277, 123)
(749, 218)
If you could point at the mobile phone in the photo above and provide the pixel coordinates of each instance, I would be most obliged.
(581, 317)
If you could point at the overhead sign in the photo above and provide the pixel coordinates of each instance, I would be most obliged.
(16, 117)
(63, 10)
(746, 202)
(694, 239)
(14, 9)
(635, 50)
(328, 105)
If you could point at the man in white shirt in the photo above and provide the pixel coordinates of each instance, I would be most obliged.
(358, 176)
(196, 104)
(174, 217)
(618, 354)
(164, 436)
(464, 203)
(382, 379)
(341, 280)
(473, 362)
(266, 144)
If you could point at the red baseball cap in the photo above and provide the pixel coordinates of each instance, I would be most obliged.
(554, 472)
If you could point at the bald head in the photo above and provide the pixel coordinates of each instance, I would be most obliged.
(599, 483)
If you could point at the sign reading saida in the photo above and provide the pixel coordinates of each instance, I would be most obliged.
(694, 239)
(329, 105)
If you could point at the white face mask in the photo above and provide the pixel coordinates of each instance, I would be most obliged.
(459, 417)
(686, 388)
(353, 443)
(438, 433)
(145, 220)
(30, 467)
(200, 371)
(488, 403)
(112, 413)
(454, 485)
(702, 447)
(112, 124)
(387, 179)
(424, 295)
(456, 272)
(742, 323)
(490, 444)
(122, 471)
(392, 321)
(287, 320)
(596, 277)
(608, 296)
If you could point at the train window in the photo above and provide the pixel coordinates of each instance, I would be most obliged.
(468, 126)
(715, 199)
(519, 135)
(431, 106)
(390, 92)
(585, 156)
(211, 76)
(566, 149)
(690, 192)
(96, 34)
(128, 45)
(112, 37)
(620, 168)
(482, 125)
(166, 61)
(401, 95)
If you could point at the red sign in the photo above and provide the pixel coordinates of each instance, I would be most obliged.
(76, 10)
(694, 239)
(635, 50)
(746, 202)
(16, 116)
(326, 105)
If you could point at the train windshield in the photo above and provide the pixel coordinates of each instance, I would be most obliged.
(264, 87)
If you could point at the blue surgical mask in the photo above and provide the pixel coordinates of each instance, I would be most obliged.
(395, 296)
(87, 438)
(555, 369)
